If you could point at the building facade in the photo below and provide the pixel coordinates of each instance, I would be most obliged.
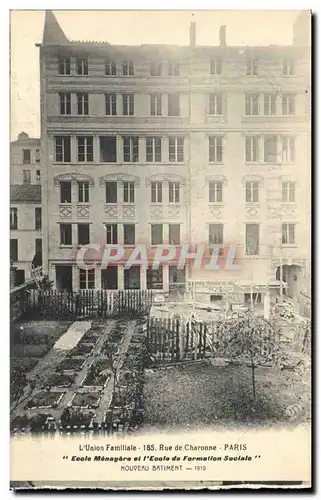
(25, 206)
(177, 145)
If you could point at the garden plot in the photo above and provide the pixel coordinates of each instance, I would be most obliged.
(98, 374)
(73, 335)
(59, 380)
(86, 400)
(71, 364)
(44, 399)
(82, 350)
(73, 418)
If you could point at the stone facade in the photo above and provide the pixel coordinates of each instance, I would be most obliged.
(195, 119)
(25, 205)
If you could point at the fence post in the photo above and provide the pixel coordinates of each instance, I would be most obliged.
(181, 340)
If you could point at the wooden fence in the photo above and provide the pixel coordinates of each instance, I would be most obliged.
(170, 340)
(53, 304)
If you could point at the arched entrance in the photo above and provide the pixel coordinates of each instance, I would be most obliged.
(292, 276)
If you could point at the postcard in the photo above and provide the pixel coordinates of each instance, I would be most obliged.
(160, 249)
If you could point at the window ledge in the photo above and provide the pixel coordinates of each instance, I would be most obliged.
(289, 245)
(216, 163)
(251, 204)
(66, 246)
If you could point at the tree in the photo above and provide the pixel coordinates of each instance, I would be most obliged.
(251, 339)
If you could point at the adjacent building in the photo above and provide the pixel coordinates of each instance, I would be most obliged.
(155, 144)
(25, 206)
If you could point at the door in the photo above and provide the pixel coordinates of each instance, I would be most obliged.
(64, 278)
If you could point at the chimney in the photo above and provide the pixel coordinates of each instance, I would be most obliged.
(192, 34)
(223, 36)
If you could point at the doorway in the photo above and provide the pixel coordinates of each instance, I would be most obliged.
(64, 278)
(109, 278)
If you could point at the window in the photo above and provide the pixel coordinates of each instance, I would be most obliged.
(37, 155)
(155, 68)
(154, 278)
(288, 234)
(110, 68)
(174, 192)
(255, 298)
(38, 245)
(26, 176)
(38, 177)
(215, 66)
(215, 143)
(82, 103)
(269, 104)
(252, 151)
(216, 298)
(153, 149)
(252, 239)
(215, 192)
(83, 234)
(63, 149)
(63, 65)
(252, 68)
(157, 234)
(129, 234)
(26, 156)
(288, 192)
(176, 149)
(83, 192)
(128, 68)
(216, 104)
(129, 192)
(13, 218)
(110, 104)
(65, 103)
(288, 67)
(128, 104)
(82, 66)
(86, 279)
(85, 149)
(107, 149)
(38, 218)
(156, 192)
(65, 234)
(111, 192)
(130, 145)
(288, 149)
(65, 192)
(14, 250)
(132, 278)
(173, 68)
(111, 234)
(251, 104)
(156, 104)
(288, 104)
(174, 234)
(173, 105)
(270, 148)
(215, 234)
(251, 192)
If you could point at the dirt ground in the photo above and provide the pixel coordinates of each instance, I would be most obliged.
(200, 394)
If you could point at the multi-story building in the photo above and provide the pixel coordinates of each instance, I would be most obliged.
(25, 206)
(156, 144)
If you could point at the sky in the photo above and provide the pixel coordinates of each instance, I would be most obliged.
(247, 27)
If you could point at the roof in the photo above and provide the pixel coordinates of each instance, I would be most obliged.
(25, 193)
(53, 36)
(52, 32)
